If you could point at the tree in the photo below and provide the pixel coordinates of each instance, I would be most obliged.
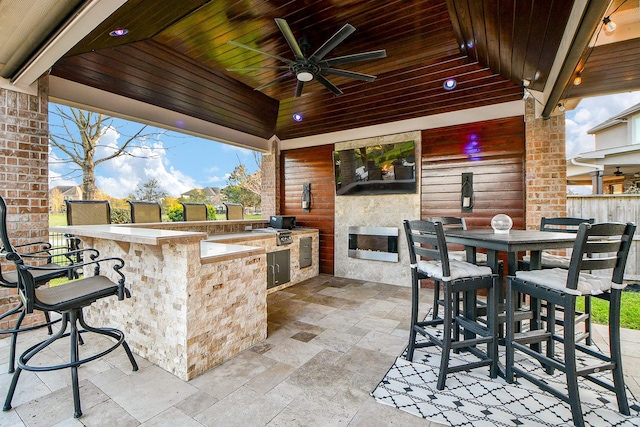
(79, 137)
(56, 201)
(149, 191)
(244, 188)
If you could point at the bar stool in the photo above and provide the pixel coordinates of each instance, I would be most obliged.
(597, 247)
(69, 299)
(429, 258)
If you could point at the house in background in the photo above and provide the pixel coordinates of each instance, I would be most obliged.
(614, 166)
(211, 194)
(60, 193)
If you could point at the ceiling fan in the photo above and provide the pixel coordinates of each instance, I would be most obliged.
(618, 172)
(307, 68)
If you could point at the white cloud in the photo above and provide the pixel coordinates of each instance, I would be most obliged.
(218, 179)
(590, 113)
(56, 179)
(121, 176)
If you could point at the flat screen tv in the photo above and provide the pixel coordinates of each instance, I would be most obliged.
(378, 169)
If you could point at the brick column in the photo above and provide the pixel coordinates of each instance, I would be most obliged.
(545, 166)
(24, 175)
(270, 195)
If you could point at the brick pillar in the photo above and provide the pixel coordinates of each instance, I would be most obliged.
(24, 175)
(545, 165)
(270, 197)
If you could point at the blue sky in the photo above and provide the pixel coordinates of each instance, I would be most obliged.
(179, 162)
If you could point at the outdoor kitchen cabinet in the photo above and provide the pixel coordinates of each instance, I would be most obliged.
(278, 268)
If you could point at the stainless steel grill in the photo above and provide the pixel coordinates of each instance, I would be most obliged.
(283, 236)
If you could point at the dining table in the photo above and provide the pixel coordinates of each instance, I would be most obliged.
(513, 242)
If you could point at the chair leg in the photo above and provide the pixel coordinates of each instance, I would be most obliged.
(587, 321)
(436, 297)
(510, 307)
(14, 337)
(415, 296)
(446, 337)
(570, 361)
(110, 332)
(74, 357)
(616, 351)
(32, 351)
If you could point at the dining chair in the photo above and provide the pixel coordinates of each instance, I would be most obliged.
(194, 211)
(69, 300)
(597, 265)
(549, 260)
(143, 211)
(38, 252)
(461, 329)
(234, 211)
(85, 212)
(451, 223)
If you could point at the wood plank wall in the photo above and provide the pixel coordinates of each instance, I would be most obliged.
(312, 165)
(494, 151)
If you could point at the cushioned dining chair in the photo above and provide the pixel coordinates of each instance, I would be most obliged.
(194, 211)
(142, 211)
(598, 260)
(69, 299)
(234, 210)
(461, 329)
(38, 252)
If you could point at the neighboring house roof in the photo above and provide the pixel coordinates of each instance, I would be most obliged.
(68, 190)
(617, 119)
(208, 191)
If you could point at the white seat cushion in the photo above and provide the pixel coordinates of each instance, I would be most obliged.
(551, 261)
(459, 269)
(462, 256)
(556, 278)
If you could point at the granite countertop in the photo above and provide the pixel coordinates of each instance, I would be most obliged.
(147, 236)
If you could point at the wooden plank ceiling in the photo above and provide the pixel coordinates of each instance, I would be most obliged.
(176, 56)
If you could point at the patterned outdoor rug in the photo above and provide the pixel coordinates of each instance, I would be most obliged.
(474, 399)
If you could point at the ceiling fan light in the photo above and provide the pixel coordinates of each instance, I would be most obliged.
(304, 76)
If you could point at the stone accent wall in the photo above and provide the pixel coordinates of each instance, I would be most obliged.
(270, 195)
(545, 166)
(185, 317)
(383, 210)
(24, 174)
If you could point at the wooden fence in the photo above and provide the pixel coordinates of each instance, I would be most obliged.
(612, 208)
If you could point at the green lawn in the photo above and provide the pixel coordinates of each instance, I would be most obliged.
(629, 312)
(56, 219)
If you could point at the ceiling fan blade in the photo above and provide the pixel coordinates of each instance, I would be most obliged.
(277, 79)
(289, 37)
(333, 41)
(356, 57)
(299, 87)
(284, 67)
(244, 46)
(350, 74)
(326, 83)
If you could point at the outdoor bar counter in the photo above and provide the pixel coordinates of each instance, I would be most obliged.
(198, 289)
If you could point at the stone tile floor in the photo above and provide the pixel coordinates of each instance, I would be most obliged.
(330, 342)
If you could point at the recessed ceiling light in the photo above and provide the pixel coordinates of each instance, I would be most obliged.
(119, 32)
(449, 84)
(297, 117)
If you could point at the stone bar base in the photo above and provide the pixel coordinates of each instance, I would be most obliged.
(186, 314)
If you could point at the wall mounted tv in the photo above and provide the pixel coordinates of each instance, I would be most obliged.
(378, 169)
